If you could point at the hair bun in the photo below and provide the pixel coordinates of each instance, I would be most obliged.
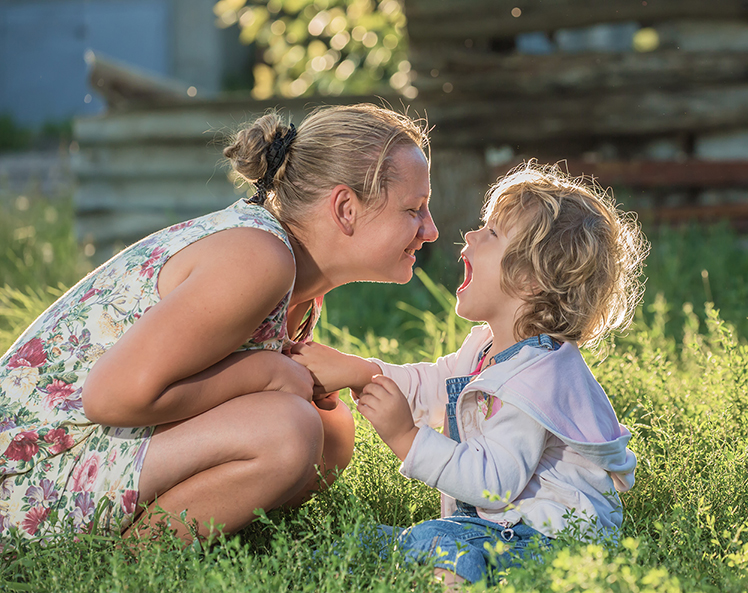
(248, 151)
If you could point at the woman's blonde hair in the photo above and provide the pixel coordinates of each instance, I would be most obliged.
(576, 260)
(350, 145)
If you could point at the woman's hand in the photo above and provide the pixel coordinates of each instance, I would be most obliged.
(331, 369)
(287, 375)
(327, 401)
(384, 405)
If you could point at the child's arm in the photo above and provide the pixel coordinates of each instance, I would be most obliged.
(500, 460)
(333, 370)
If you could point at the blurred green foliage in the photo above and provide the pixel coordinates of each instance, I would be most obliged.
(15, 137)
(326, 47)
(12, 136)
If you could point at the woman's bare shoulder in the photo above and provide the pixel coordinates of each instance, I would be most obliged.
(246, 254)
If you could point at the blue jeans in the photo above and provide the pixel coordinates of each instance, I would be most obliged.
(465, 545)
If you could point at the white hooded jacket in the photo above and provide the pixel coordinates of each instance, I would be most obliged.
(537, 430)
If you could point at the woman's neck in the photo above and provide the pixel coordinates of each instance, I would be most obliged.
(311, 282)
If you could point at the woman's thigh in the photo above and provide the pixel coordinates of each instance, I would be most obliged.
(276, 426)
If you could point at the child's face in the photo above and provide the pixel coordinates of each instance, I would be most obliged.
(481, 297)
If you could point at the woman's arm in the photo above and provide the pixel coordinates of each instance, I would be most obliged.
(176, 361)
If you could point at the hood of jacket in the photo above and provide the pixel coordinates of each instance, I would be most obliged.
(559, 391)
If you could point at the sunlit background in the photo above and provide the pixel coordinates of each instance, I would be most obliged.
(285, 48)
(124, 104)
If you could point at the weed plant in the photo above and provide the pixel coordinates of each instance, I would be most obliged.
(678, 379)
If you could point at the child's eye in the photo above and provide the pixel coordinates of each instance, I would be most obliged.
(493, 232)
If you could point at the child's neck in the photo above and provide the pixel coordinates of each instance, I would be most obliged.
(502, 339)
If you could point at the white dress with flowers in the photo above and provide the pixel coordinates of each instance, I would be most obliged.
(58, 469)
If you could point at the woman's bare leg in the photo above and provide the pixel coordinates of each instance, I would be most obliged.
(254, 451)
(339, 430)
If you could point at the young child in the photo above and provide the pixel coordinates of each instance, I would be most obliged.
(555, 265)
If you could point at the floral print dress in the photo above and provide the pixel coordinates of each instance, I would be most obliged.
(58, 469)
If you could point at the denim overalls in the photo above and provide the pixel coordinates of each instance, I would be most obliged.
(456, 385)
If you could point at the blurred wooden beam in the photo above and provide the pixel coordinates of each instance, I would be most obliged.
(485, 121)
(691, 173)
(458, 20)
(496, 75)
(736, 214)
(122, 85)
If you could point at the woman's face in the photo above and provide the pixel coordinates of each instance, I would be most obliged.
(391, 235)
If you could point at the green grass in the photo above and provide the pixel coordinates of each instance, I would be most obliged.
(678, 379)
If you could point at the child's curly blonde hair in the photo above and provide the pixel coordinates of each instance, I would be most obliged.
(576, 260)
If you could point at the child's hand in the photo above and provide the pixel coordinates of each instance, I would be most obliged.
(332, 370)
(384, 405)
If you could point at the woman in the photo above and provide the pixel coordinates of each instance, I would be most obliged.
(159, 379)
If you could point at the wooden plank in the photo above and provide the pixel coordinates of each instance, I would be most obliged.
(201, 122)
(183, 196)
(187, 159)
(121, 84)
(471, 73)
(485, 121)
(690, 173)
(116, 227)
(201, 125)
(459, 179)
(458, 20)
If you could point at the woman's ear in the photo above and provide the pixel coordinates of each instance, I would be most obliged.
(345, 208)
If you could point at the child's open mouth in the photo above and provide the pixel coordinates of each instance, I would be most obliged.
(468, 275)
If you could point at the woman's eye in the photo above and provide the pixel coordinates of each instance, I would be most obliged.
(493, 232)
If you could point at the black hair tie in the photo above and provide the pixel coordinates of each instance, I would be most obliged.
(275, 155)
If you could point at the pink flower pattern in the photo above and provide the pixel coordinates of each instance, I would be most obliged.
(56, 393)
(129, 500)
(84, 476)
(31, 354)
(59, 439)
(34, 518)
(23, 446)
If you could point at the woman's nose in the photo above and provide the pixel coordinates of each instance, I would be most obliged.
(428, 230)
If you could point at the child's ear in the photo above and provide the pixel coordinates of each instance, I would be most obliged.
(345, 208)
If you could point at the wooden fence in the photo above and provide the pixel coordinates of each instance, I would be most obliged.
(670, 124)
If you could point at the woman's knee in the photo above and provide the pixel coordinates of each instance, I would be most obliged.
(298, 439)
